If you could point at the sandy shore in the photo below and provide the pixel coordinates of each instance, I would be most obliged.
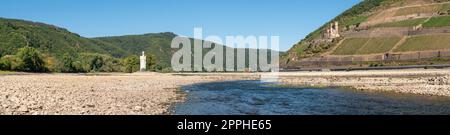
(416, 81)
(153, 93)
(435, 82)
(49, 94)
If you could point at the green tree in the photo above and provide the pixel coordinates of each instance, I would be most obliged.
(131, 64)
(31, 59)
(10, 62)
(89, 62)
(78, 65)
(96, 62)
(93, 62)
(5, 64)
(67, 63)
(110, 64)
(151, 62)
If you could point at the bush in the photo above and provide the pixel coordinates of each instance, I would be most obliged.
(374, 65)
(67, 64)
(10, 62)
(131, 64)
(166, 70)
(31, 60)
(51, 63)
(158, 68)
(151, 63)
(93, 62)
(349, 69)
(110, 64)
(5, 64)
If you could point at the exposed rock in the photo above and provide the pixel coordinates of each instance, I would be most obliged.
(35, 113)
(137, 108)
(23, 109)
(443, 80)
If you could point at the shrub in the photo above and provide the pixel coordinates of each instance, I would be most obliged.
(10, 62)
(158, 68)
(67, 63)
(131, 64)
(93, 62)
(110, 64)
(166, 70)
(151, 63)
(349, 69)
(31, 60)
(51, 63)
(5, 64)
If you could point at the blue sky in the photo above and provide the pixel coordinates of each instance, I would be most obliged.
(292, 20)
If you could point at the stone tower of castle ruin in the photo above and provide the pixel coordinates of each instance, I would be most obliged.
(332, 31)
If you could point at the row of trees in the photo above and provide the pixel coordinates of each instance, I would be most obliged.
(29, 59)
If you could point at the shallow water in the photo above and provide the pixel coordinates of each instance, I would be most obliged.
(256, 98)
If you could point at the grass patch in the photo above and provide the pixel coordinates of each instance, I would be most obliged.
(361, 46)
(445, 7)
(354, 20)
(6, 72)
(350, 46)
(423, 43)
(416, 10)
(405, 23)
(378, 45)
(438, 22)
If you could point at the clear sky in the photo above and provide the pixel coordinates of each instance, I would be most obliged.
(292, 20)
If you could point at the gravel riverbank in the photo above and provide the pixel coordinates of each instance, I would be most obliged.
(50, 94)
(415, 81)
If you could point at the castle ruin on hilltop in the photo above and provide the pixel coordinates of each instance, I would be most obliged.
(332, 31)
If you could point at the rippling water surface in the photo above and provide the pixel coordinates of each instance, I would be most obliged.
(256, 98)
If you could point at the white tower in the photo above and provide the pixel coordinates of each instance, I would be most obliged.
(143, 62)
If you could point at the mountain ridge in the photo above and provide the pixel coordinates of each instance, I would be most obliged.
(56, 42)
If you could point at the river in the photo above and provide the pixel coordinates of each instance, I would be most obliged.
(257, 98)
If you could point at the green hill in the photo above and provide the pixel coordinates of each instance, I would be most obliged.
(154, 44)
(59, 46)
(376, 27)
(49, 39)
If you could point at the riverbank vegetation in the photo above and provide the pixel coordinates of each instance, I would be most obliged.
(29, 59)
(425, 43)
(440, 21)
(404, 23)
(63, 51)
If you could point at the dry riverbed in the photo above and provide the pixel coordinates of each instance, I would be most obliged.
(49, 94)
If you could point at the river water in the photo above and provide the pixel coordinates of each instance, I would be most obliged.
(256, 98)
